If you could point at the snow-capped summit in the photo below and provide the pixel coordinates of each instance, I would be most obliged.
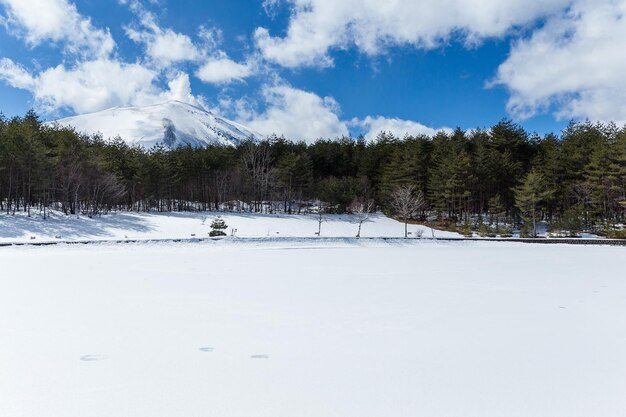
(172, 123)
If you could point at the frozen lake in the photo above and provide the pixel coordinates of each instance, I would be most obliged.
(417, 329)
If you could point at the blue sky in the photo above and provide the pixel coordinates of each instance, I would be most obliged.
(311, 68)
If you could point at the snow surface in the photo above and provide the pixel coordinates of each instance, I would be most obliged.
(172, 123)
(233, 329)
(20, 228)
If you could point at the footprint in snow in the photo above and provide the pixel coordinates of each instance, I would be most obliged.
(92, 358)
(260, 357)
(207, 349)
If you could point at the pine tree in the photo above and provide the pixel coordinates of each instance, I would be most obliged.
(530, 195)
(451, 182)
(408, 164)
(294, 176)
(496, 209)
(217, 227)
(605, 175)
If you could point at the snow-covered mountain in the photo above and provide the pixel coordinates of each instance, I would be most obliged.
(172, 123)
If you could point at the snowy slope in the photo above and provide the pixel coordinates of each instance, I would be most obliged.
(172, 123)
(19, 228)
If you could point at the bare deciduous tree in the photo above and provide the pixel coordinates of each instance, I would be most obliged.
(257, 162)
(362, 208)
(406, 201)
(321, 216)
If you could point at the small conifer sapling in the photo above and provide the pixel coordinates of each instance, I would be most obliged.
(217, 227)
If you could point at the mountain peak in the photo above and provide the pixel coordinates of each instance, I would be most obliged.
(173, 123)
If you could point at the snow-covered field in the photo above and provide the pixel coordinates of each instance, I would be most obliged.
(463, 329)
(20, 228)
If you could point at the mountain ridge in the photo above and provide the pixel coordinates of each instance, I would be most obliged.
(172, 123)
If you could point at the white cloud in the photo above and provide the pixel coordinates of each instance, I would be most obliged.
(179, 88)
(372, 126)
(15, 75)
(222, 70)
(218, 68)
(163, 46)
(317, 26)
(270, 7)
(303, 115)
(212, 37)
(296, 114)
(37, 21)
(96, 79)
(95, 85)
(91, 86)
(574, 64)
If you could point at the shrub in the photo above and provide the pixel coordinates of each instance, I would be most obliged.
(616, 234)
(485, 231)
(568, 222)
(505, 231)
(526, 231)
(466, 230)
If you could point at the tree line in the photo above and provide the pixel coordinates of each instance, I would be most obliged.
(498, 176)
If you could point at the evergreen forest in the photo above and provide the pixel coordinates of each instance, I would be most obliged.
(488, 180)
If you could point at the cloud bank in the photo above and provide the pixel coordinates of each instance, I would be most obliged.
(574, 65)
(566, 58)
